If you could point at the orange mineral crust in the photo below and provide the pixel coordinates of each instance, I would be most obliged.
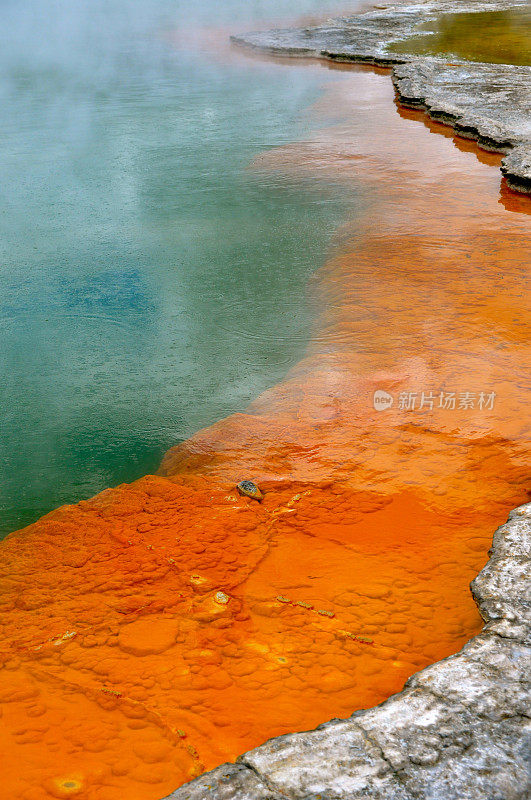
(163, 627)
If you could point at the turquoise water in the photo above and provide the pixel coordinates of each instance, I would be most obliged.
(151, 282)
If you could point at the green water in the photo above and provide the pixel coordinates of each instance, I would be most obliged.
(151, 282)
(496, 37)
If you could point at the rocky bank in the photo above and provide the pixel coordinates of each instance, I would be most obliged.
(487, 102)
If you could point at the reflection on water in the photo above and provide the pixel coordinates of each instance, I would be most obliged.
(164, 627)
(143, 268)
(497, 37)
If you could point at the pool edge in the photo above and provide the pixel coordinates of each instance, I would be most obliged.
(491, 110)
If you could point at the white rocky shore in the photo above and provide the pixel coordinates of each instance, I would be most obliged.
(487, 102)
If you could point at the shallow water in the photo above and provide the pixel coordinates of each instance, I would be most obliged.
(151, 283)
(497, 37)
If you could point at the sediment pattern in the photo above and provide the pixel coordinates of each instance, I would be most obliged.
(458, 731)
(487, 102)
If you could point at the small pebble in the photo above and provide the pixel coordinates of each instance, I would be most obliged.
(250, 489)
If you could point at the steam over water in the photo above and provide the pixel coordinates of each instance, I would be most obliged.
(151, 283)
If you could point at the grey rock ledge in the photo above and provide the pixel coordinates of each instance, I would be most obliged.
(459, 730)
(487, 102)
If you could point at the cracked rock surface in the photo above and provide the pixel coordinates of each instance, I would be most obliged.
(487, 102)
(459, 730)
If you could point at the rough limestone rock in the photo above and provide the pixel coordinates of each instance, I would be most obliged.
(459, 730)
(487, 102)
